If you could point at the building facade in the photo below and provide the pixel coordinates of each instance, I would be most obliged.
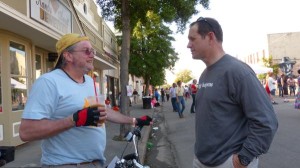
(285, 45)
(29, 30)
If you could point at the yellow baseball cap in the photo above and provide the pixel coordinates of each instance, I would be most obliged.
(66, 41)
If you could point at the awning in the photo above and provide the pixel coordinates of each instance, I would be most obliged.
(16, 84)
(258, 69)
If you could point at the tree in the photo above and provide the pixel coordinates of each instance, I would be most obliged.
(268, 62)
(126, 14)
(151, 51)
(184, 76)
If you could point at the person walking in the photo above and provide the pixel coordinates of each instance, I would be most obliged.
(271, 85)
(235, 120)
(284, 87)
(194, 91)
(292, 85)
(279, 86)
(297, 99)
(57, 110)
(186, 92)
(135, 96)
(173, 97)
(162, 93)
(156, 94)
(167, 93)
(180, 99)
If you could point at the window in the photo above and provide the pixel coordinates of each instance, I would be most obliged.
(38, 66)
(49, 65)
(18, 75)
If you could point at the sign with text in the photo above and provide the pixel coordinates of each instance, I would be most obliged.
(52, 13)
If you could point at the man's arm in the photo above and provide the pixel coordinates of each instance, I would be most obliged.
(39, 129)
(117, 117)
(262, 121)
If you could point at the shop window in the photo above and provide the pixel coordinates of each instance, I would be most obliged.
(18, 76)
(49, 65)
(38, 66)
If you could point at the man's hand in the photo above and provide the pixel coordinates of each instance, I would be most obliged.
(144, 120)
(86, 117)
(236, 162)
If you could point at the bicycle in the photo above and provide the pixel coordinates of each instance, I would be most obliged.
(130, 160)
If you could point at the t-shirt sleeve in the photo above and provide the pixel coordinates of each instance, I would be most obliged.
(42, 100)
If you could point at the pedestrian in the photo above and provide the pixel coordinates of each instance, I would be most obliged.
(135, 96)
(297, 99)
(284, 87)
(292, 85)
(186, 92)
(167, 93)
(279, 86)
(235, 120)
(194, 91)
(179, 99)
(270, 83)
(156, 94)
(173, 97)
(162, 93)
(57, 111)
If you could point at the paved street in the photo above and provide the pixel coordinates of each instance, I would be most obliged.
(175, 139)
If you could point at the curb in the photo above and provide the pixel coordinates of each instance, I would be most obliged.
(145, 138)
(143, 144)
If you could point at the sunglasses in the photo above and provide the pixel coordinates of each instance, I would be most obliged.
(203, 19)
(86, 51)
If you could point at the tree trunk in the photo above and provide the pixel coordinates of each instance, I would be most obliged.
(147, 82)
(124, 76)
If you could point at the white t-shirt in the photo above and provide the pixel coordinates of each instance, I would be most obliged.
(173, 92)
(271, 83)
(55, 96)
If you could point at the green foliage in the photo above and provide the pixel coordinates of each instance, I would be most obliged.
(127, 13)
(151, 50)
(184, 76)
(178, 11)
(268, 62)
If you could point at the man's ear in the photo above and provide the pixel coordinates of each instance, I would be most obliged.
(68, 56)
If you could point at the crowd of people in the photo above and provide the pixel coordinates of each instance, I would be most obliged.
(283, 85)
(179, 94)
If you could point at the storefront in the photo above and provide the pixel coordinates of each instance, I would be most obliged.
(28, 34)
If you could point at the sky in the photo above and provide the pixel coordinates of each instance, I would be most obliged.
(245, 24)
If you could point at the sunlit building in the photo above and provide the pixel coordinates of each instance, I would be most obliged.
(29, 30)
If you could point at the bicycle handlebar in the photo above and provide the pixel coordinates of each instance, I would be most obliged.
(136, 131)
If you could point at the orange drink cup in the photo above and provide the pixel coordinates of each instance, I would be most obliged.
(97, 101)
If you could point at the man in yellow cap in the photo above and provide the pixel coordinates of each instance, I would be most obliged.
(56, 110)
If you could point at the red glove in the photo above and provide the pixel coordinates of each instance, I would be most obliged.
(86, 117)
(144, 120)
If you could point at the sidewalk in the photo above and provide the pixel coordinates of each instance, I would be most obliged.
(29, 154)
